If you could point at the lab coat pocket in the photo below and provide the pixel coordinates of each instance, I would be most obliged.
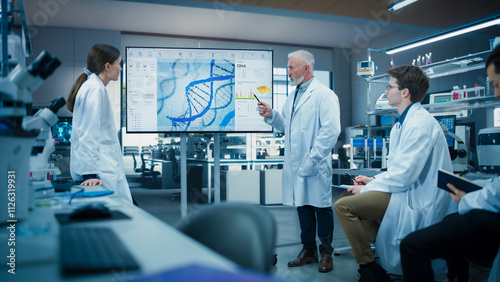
(410, 216)
(308, 167)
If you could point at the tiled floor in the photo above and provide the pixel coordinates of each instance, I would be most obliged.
(158, 202)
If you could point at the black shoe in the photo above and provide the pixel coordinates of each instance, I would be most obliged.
(373, 272)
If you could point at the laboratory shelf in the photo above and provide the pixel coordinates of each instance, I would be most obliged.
(444, 68)
(456, 105)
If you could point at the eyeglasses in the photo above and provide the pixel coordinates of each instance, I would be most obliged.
(394, 86)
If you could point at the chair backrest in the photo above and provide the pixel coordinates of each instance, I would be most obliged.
(135, 164)
(143, 163)
(243, 233)
(132, 150)
(176, 175)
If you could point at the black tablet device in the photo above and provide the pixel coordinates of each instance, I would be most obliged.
(445, 177)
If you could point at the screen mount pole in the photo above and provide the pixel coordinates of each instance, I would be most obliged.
(183, 176)
(217, 168)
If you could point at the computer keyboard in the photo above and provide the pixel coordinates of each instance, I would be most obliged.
(89, 250)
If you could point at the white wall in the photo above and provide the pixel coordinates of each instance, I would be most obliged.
(71, 47)
(323, 55)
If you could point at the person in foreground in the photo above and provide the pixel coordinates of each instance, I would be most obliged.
(96, 157)
(311, 122)
(405, 197)
(472, 233)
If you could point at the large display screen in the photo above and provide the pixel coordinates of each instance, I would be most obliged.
(197, 90)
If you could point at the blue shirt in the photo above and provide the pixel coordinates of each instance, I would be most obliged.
(300, 92)
(403, 115)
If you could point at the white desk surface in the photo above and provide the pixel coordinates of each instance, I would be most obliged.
(156, 246)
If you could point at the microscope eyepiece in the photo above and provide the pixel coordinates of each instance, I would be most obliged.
(56, 104)
(39, 63)
(44, 65)
(50, 67)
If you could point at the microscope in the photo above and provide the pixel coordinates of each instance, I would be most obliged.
(41, 173)
(458, 155)
(21, 135)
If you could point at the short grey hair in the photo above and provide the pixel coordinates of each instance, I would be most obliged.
(304, 55)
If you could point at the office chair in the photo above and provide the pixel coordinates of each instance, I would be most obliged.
(243, 233)
(136, 169)
(148, 172)
(194, 184)
(176, 175)
(132, 151)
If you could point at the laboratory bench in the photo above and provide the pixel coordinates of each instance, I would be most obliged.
(157, 247)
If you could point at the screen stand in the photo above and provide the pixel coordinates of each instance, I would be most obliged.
(183, 176)
(216, 168)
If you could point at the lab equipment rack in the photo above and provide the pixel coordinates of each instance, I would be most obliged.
(449, 67)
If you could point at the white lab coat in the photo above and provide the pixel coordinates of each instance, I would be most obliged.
(309, 138)
(95, 148)
(487, 198)
(417, 150)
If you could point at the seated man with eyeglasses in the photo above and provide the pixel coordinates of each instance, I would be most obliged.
(404, 198)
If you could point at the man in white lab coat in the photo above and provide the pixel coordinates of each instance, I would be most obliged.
(472, 233)
(311, 122)
(405, 197)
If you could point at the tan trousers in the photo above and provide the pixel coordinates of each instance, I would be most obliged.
(359, 216)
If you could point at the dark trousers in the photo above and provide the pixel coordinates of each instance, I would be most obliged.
(309, 216)
(472, 236)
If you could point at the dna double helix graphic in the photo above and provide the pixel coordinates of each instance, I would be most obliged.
(204, 97)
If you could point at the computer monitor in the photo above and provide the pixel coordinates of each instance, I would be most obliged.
(449, 121)
(197, 90)
(61, 131)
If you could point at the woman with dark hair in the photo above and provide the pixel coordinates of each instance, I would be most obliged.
(471, 234)
(96, 157)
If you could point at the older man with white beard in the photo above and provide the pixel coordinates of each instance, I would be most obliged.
(310, 120)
